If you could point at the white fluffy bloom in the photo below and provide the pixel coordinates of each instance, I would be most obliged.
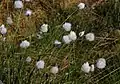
(66, 39)
(28, 13)
(54, 70)
(67, 26)
(3, 30)
(101, 63)
(18, 4)
(92, 68)
(90, 37)
(85, 67)
(28, 59)
(72, 35)
(81, 33)
(81, 5)
(40, 64)
(24, 44)
(44, 28)
(57, 42)
(9, 20)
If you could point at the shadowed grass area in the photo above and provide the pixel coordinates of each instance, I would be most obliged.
(103, 21)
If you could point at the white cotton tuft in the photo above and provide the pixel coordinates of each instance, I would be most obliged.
(101, 63)
(24, 44)
(28, 13)
(90, 37)
(18, 4)
(40, 64)
(28, 59)
(72, 35)
(54, 70)
(66, 39)
(85, 67)
(67, 26)
(3, 30)
(92, 68)
(81, 5)
(9, 20)
(81, 33)
(57, 42)
(44, 28)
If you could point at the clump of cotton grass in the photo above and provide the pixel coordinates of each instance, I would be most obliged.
(54, 70)
(101, 63)
(28, 13)
(28, 59)
(9, 20)
(18, 4)
(24, 44)
(92, 68)
(40, 64)
(81, 5)
(67, 26)
(66, 39)
(3, 30)
(85, 67)
(72, 36)
(44, 28)
(90, 37)
(81, 33)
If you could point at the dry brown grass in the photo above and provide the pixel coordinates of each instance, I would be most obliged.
(24, 26)
(69, 3)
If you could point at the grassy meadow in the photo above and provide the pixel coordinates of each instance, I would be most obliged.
(103, 21)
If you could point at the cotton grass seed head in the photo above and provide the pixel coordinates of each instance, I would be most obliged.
(54, 70)
(66, 39)
(3, 30)
(101, 63)
(72, 35)
(18, 4)
(90, 37)
(9, 20)
(85, 67)
(28, 13)
(67, 26)
(40, 64)
(57, 42)
(44, 28)
(24, 44)
(92, 68)
(81, 5)
(81, 33)
(28, 59)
